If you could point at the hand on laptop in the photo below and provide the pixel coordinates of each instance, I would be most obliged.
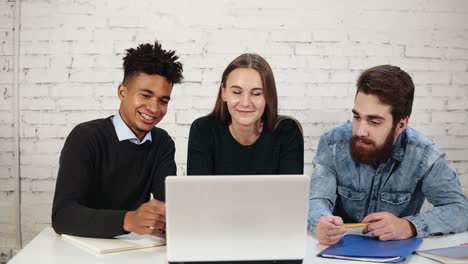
(387, 226)
(328, 230)
(149, 218)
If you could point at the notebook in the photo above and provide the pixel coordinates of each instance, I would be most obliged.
(366, 248)
(119, 243)
(236, 218)
(457, 254)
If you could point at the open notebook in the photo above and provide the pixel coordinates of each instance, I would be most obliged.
(119, 243)
(456, 254)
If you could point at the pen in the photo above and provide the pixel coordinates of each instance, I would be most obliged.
(354, 225)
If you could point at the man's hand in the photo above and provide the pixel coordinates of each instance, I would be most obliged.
(149, 218)
(328, 230)
(386, 226)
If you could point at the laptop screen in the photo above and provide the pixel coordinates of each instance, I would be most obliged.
(236, 218)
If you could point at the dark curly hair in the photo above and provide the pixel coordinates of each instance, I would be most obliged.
(152, 59)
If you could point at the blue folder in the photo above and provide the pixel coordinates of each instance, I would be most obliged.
(365, 248)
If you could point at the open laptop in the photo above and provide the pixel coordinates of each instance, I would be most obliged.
(236, 218)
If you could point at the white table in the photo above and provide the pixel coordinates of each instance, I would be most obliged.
(48, 247)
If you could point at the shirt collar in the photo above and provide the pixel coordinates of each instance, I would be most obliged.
(125, 133)
(398, 149)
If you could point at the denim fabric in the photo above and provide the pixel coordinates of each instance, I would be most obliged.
(416, 170)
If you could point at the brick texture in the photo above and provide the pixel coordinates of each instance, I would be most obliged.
(70, 67)
(8, 238)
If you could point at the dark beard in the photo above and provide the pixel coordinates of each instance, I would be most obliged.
(373, 156)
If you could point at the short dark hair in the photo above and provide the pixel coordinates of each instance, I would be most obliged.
(152, 59)
(258, 63)
(392, 86)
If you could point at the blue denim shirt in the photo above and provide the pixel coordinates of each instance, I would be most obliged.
(415, 170)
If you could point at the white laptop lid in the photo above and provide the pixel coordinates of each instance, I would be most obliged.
(235, 218)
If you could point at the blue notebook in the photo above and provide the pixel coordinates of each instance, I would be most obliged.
(365, 248)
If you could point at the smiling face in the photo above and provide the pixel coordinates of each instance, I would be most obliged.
(243, 94)
(374, 132)
(143, 102)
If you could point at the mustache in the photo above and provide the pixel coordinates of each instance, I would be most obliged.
(363, 140)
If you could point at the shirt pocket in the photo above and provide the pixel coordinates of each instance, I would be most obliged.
(351, 194)
(350, 203)
(396, 199)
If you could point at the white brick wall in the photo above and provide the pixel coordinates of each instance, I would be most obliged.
(7, 177)
(70, 66)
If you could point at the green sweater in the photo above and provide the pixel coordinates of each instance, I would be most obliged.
(213, 151)
(100, 178)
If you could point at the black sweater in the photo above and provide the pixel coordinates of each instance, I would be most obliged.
(213, 151)
(100, 178)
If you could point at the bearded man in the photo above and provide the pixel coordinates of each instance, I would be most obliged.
(379, 171)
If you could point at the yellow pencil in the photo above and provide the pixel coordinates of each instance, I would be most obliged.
(354, 225)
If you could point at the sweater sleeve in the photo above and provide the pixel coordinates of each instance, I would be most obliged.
(292, 147)
(70, 213)
(200, 155)
(166, 166)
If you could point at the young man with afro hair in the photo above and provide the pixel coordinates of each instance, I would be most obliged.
(110, 166)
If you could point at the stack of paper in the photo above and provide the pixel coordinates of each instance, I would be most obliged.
(119, 243)
(457, 254)
(365, 248)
